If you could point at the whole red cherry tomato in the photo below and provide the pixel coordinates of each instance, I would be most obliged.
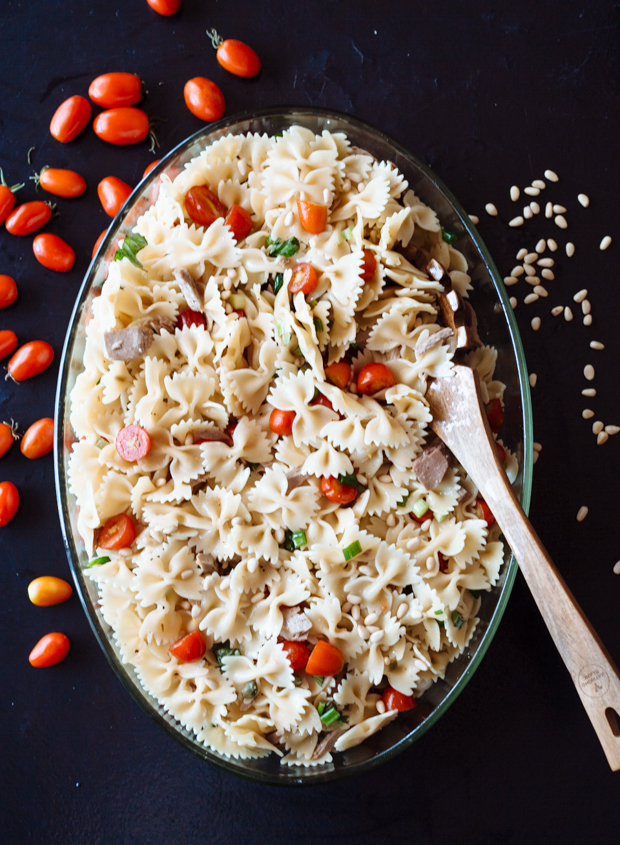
(374, 377)
(98, 241)
(8, 291)
(30, 360)
(150, 167)
(483, 511)
(495, 414)
(312, 216)
(395, 700)
(133, 443)
(189, 318)
(9, 502)
(165, 7)
(189, 648)
(204, 99)
(326, 659)
(50, 650)
(281, 422)
(236, 57)
(338, 374)
(123, 125)
(113, 192)
(115, 89)
(239, 222)
(304, 279)
(119, 532)
(297, 653)
(70, 118)
(8, 342)
(7, 197)
(336, 491)
(61, 183)
(28, 217)
(203, 206)
(52, 252)
(38, 439)
(369, 266)
(7, 436)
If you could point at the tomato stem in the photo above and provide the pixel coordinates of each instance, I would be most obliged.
(37, 176)
(215, 39)
(12, 188)
(29, 153)
(14, 428)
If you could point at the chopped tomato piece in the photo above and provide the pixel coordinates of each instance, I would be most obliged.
(421, 519)
(281, 422)
(337, 492)
(119, 532)
(495, 414)
(203, 206)
(239, 312)
(338, 374)
(304, 279)
(189, 318)
(395, 700)
(297, 653)
(483, 511)
(239, 222)
(133, 443)
(369, 266)
(189, 648)
(51, 649)
(374, 377)
(312, 216)
(325, 659)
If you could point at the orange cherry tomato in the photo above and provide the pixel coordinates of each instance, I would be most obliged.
(8, 342)
(325, 659)
(395, 700)
(281, 422)
(8, 291)
(313, 217)
(165, 7)
(7, 197)
(115, 89)
(204, 99)
(9, 502)
(189, 648)
(38, 439)
(98, 241)
(133, 443)
(374, 377)
(336, 491)
(50, 650)
(150, 167)
(118, 532)
(369, 266)
(203, 206)
(61, 183)
(52, 252)
(483, 511)
(297, 653)
(7, 436)
(338, 374)
(189, 318)
(113, 192)
(123, 125)
(28, 217)
(236, 57)
(495, 414)
(304, 279)
(239, 222)
(70, 118)
(48, 590)
(30, 360)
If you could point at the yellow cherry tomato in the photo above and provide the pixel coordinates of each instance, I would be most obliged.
(48, 590)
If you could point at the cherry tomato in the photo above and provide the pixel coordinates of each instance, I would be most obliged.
(51, 649)
(70, 118)
(165, 7)
(313, 217)
(113, 192)
(236, 57)
(133, 443)
(239, 222)
(483, 511)
(115, 89)
(8, 291)
(322, 400)
(7, 436)
(123, 125)
(8, 342)
(501, 452)
(98, 241)
(281, 422)
(325, 659)
(61, 183)
(304, 279)
(118, 532)
(374, 377)
(9, 502)
(336, 491)
(203, 206)
(395, 700)
(422, 519)
(7, 197)
(297, 653)
(30, 360)
(52, 252)
(369, 266)
(189, 318)
(48, 590)
(495, 414)
(338, 374)
(28, 217)
(38, 439)
(150, 167)
(204, 99)
(189, 648)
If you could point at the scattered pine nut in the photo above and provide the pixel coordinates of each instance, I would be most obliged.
(596, 344)
(559, 209)
(549, 210)
(545, 262)
(541, 246)
(584, 199)
(538, 183)
(616, 569)
(530, 258)
(570, 249)
(588, 372)
(568, 314)
(515, 193)
(528, 213)
(557, 310)
(529, 269)
(532, 280)
(580, 295)
(490, 209)
(561, 221)
(586, 306)
(521, 254)
(587, 413)
(587, 320)
(536, 323)
(588, 391)
(601, 437)
(582, 513)
(605, 242)
(531, 297)
(475, 220)
(548, 274)
(612, 429)
(517, 271)
(533, 379)
(513, 302)
(541, 291)
(535, 457)
(537, 446)
(531, 192)
(510, 280)
(552, 244)
(516, 221)
(551, 176)
(535, 207)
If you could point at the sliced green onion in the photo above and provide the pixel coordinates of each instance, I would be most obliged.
(420, 507)
(330, 716)
(403, 501)
(320, 707)
(346, 234)
(318, 324)
(98, 561)
(351, 480)
(278, 282)
(252, 465)
(319, 679)
(439, 613)
(353, 346)
(249, 690)
(441, 623)
(457, 620)
(448, 237)
(299, 539)
(352, 551)
(238, 301)
(288, 541)
(475, 593)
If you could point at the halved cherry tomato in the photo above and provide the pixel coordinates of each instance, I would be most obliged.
(338, 374)
(70, 118)
(325, 659)
(50, 650)
(422, 519)
(38, 439)
(113, 192)
(483, 511)
(312, 216)
(374, 377)
(7, 197)
(115, 89)
(495, 414)
(281, 422)
(204, 99)
(150, 167)
(443, 562)
(118, 532)
(133, 443)
(501, 452)
(321, 399)
(30, 360)
(236, 57)
(239, 222)
(304, 279)
(239, 312)
(52, 252)
(9, 502)
(203, 206)
(165, 7)
(8, 342)
(7, 436)
(189, 318)
(8, 291)
(336, 491)
(189, 648)
(98, 241)
(297, 653)
(61, 183)
(369, 266)
(395, 700)
(48, 590)
(28, 217)
(123, 125)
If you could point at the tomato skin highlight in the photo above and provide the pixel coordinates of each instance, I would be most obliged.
(50, 650)
(189, 318)
(337, 492)
(52, 252)
(239, 222)
(98, 241)
(61, 183)
(150, 167)
(203, 206)
(204, 99)
(113, 193)
(304, 279)
(133, 443)
(189, 648)
(237, 58)
(395, 700)
(9, 502)
(495, 415)
(38, 439)
(325, 659)
(483, 511)
(374, 377)
(6, 438)
(118, 532)
(8, 291)
(369, 266)
(338, 374)
(48, 590)
(281, 422)
(70, 118)
(297, 653)
(165, 7)
(28, 217)
(122, 126)
(30, 359)
(313, 217)
(111, 90)
(8, 342)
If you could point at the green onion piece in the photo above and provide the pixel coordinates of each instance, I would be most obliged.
(320, 707)
(318, 324)
(279, 327)
(441, 623)
(288, 541)
(448, 237)
(420, 507)
(439, 613)
(439, 517)
(278, 282)
(351, 480)
(403, 501)
(330, 716)
(352, 551)
(131, 246)
(279, 247)
(252, 466)
(278, 135)
(313, 303)
(457, 620)
(238, 301)
(475, 593)
(101, 443)
(249, 690)
(98, 561)
(345, 235)
(319, 679)
(98, 382)
(298, 351)
(222, 650)
(299, 539)
(354, 346)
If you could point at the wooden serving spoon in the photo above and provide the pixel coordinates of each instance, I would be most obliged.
(461, 422)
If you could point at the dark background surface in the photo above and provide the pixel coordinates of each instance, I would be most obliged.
(490, 94)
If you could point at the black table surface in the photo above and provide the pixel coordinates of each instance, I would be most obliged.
(490, 94)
